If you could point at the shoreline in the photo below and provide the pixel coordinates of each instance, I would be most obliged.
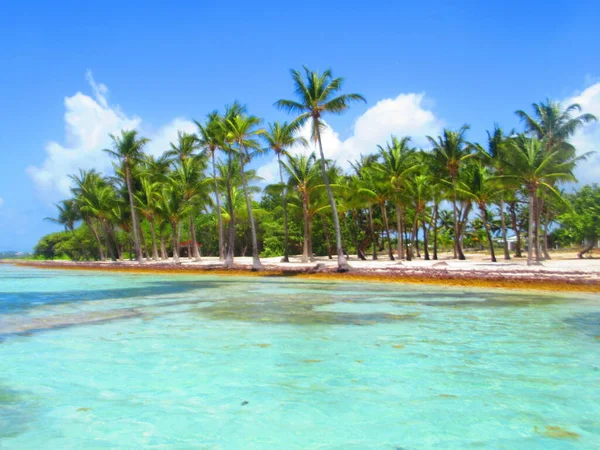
(441, 273)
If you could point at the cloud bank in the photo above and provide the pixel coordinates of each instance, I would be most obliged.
(88, 122)
(587, 138)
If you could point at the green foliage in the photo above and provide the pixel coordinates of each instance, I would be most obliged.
(582, 222)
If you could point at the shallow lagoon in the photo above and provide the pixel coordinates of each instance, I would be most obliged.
(98, 360)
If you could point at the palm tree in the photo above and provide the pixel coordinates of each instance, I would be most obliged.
(242, 131)
(361, 168)
(397, 161)
(452, 150)
(480, 185)
(554, 125)
(127, 148)
(303, 178)
(317, 95)
(210, 137)
(280, 137)
(528, 163)
(496, 145)
(147, 202)
(68, 214)
(186, 147)
(84, 188)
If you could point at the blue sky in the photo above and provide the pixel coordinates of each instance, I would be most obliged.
(421, 66)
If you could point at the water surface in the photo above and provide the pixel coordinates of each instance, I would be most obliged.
(96, 360)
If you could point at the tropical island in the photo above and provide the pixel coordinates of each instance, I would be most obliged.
(198, 206)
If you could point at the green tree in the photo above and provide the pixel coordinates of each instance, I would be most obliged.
(127, 148)
(316, 95)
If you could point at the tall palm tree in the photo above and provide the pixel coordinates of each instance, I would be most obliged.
(554, 125)
(397, 161)
(280, 137)
(127, 148)
(316, 95)
(452, 150)
(243, 130)
(210, 137)
(528, 163)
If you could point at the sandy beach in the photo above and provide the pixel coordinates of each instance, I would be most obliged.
(564, 272)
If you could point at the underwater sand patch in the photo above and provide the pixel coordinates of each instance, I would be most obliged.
(557, 432)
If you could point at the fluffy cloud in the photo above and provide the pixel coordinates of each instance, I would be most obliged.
(88, 122)
(587, 138)
(404, 115)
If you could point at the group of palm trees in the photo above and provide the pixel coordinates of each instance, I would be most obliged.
(207, 173)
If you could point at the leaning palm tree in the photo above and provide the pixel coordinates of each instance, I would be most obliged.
(528, 164)
(279, 138)
(127, 148)
(242, 131)
(210, 137)
(317, 95)
(452, 150)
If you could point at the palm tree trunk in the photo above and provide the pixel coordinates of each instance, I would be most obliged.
(326, 233)
(414, 237)
(311, 254)
(503, 226)
(286, 256)
(387, 231)
(256, 265)
(231, 227)
(515, 227)
(175, 235)
(536, 203)
(458, 250)
(219, 217)
(425, 246)
(153, 234)
(545, 238)
(98, 241)
(435, 231)
(342, 262)
(163, 249)
(304, 258)
(487, 231)
(136, 238)
(399, 227)
(374, 242)
(195, 252)
(530, 230)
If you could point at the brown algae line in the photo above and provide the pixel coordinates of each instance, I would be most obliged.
(440, 279)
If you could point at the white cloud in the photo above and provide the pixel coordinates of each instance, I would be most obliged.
(88, 122)
(587, 138)
(404, 115)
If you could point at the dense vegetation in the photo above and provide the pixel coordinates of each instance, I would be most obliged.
(401, 201)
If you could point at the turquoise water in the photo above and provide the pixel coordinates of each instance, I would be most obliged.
(95, 360)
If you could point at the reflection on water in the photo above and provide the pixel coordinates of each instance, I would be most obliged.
(95, 360)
